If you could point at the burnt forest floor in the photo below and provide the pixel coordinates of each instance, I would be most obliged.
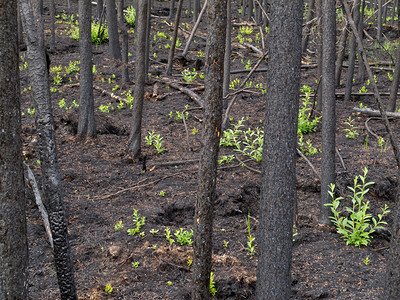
(102, 185)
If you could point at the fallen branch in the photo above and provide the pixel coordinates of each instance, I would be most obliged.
(39, 203)
(309, 163)
(188, 92)
(375, 113)
(137, 186)
(247, 167)
(369, 130)
(340, 158)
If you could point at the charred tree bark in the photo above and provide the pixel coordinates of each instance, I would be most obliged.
(204, 207)
(328, 174)
(395, 84)
(115, 49)
(340, 57)
(48, 154)
(135, 137)
(13, 233)
(86, 122)
(53, 25)
(318, 9)
(125, 42)
(352, 55)
(310, 15)
(174, 37)
(278, 189)
(227, 59)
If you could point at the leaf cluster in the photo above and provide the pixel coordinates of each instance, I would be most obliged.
(356, 229)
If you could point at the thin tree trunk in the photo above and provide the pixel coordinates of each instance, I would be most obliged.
(125, 42)
(318, 8)
(204, 207)
(13, 232)
(100, 7)
(48, 153)
(196, 9)
(113, 37)
(379, 32)
(310, 15)
(134, 143)
(86, 122)
(172, 9)
(227, 59)
(340, 57)
(53, 25)
(147, 45)
(278, 189)
(395, 84)
(189, 41)
(361, 69)
(328, 174)
(352, 55)
(174, 37)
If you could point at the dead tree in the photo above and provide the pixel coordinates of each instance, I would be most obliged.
(13, 232)
(204, 207)
(48, 151)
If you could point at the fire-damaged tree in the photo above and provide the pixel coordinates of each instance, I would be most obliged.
(51, 183)
(278, 190)
(204, 207)
(13, 243)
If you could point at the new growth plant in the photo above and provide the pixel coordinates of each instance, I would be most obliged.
(305, 125)
(251, 245)
(351, 130)
(356, 228)
(130, 15)
(156, 140)
(138, 221)
(184, 237)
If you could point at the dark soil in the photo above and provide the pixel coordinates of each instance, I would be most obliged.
(102, 185)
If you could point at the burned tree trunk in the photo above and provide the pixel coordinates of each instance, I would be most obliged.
(48, 154)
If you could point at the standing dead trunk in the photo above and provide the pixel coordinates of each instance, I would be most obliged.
(278, 189)
(13, 233)
(48, 154)
(204, 207)
(318, 8)
(310, 15)
(53, 24)
(125, 42)
(352, 55)
(135, 137)
(328, 174)
(174, 37)
(340, 57)
(227, 59)
(115, 49)
(86, 122)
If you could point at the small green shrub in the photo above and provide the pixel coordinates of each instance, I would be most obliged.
(130, 16)
(305, 125)
(99, 33)
(356, 229)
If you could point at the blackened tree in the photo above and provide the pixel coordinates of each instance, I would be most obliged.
(38, 76)
(278, 189)
(13, 242)
(115, 49)
(328, 106)
(86, 123)
(204, 207)
(135, 137)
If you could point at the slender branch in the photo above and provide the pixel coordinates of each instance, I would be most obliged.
(39, 203)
